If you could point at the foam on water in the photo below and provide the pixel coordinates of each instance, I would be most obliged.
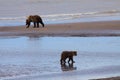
(62, 18)
(57, 11)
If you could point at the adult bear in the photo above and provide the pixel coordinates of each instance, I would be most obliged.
(69, 55)
(35, 19)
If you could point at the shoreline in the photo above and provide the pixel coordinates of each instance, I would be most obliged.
(83, 29)
(110, 78)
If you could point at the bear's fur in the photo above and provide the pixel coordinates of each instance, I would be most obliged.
(35, 19)
(69, 55)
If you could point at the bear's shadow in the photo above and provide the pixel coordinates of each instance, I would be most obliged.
(68, 67)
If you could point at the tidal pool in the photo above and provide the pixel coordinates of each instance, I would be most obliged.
(97, 56)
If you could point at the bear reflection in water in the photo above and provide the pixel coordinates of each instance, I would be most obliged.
(68, 67)
(67, 55)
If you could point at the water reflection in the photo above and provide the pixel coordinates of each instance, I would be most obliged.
(68, 67)
(34, 37)
(41, 53)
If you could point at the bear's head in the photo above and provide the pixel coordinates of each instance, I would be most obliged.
(27, 22)
(74, 53)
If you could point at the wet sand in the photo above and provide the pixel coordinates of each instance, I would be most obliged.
(98, 28)
(112, 78)
(23, 58)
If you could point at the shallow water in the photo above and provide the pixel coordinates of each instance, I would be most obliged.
(37, 58)
(14, 12)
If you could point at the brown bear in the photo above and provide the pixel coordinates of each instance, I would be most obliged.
(69, 55)
(35, 19)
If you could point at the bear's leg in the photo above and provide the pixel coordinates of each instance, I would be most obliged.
(37, 24)
(71, 59)
(34, 24)
(42, 23)
(64, 60)
(60, 61)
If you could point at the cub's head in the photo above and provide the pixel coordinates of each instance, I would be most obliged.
(74, 53)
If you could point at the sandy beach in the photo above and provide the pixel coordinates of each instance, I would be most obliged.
(98, 28)
(90, 27)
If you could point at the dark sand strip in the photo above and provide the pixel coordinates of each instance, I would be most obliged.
(100, 28)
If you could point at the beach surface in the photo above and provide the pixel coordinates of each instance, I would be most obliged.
(38, 58)
(90, 27)
(112, 78)
(28, 46)
(95, 28)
